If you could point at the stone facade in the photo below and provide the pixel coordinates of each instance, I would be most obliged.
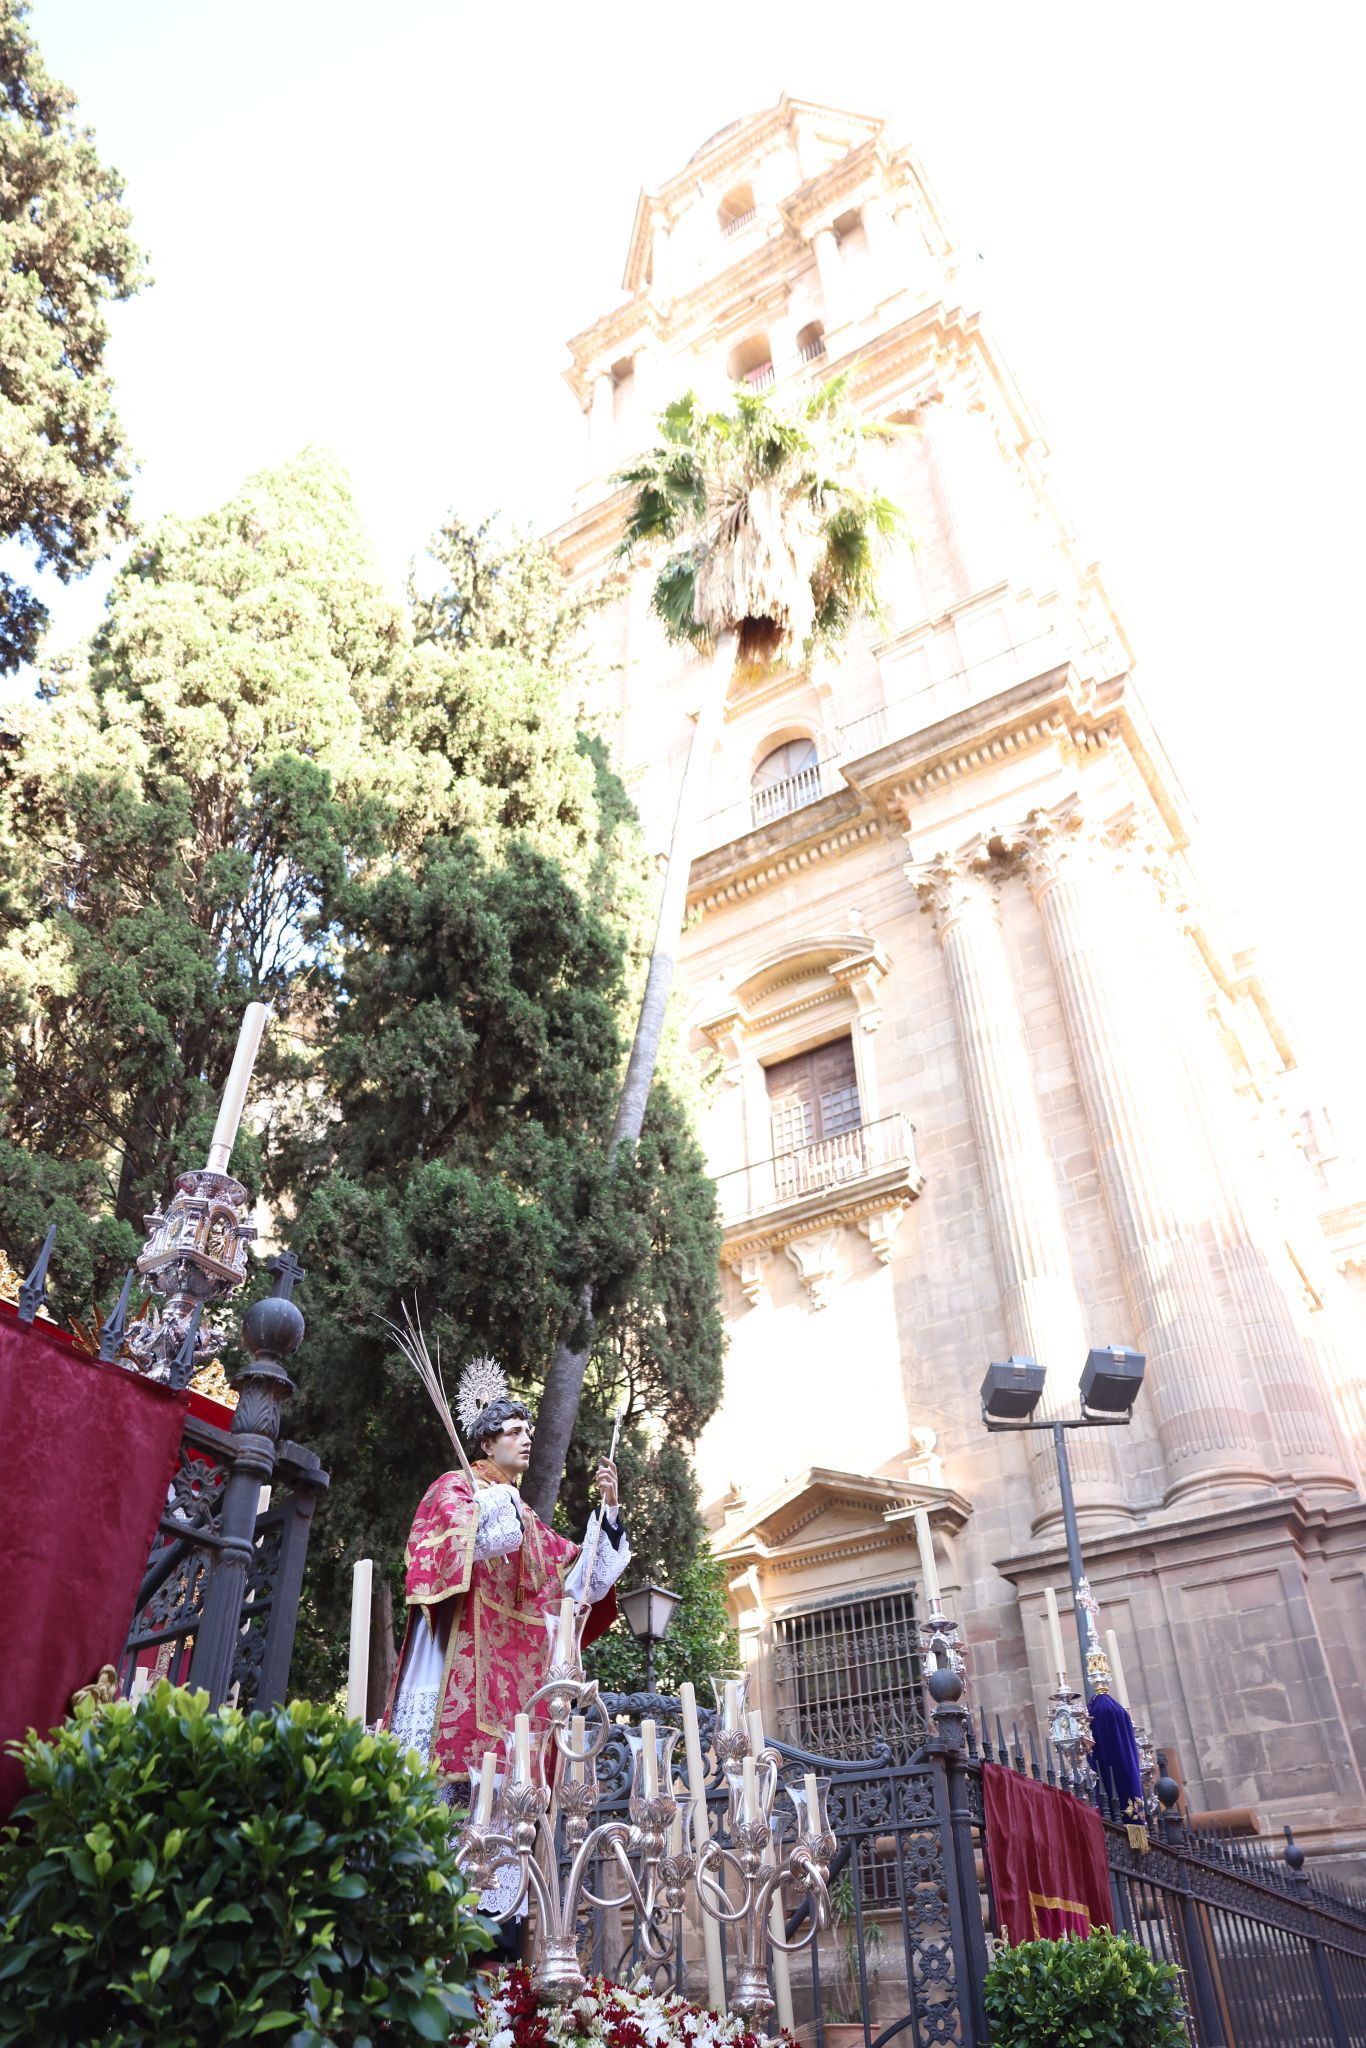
(1070, 1113)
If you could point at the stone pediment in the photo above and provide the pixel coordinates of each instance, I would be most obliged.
(831, 1513)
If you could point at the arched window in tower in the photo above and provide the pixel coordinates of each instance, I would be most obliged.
(751, 362)
(737, 209)
(784, 780)
(811, 342)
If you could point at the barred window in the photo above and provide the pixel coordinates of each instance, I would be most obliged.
(848, 1676)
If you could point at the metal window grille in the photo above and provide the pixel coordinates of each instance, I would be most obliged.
(847, 1676)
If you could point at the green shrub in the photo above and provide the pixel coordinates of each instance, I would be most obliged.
(1102, 1992)
(187, 1877)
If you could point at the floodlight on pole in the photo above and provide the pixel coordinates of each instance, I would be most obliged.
(1110, 1382)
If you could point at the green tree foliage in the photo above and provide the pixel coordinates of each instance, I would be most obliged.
(65, 252)
(701, 1639)
(183, 1876)
(495, 585)
(1105, 1991)
(258, 783)
(169, 820)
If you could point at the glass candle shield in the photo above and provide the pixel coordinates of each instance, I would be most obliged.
(652, 1749)
(534, 1772)
(486, 1793)
(564, 1639)
(732, 1700)
(810, 1797)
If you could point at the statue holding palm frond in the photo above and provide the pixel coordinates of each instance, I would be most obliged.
(483, 1573)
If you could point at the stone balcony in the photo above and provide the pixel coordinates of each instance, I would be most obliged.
(799, 1201)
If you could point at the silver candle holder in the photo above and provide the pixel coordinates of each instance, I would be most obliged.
(756, 1866)
(513, 1819)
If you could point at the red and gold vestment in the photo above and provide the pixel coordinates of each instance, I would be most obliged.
(496, 1647)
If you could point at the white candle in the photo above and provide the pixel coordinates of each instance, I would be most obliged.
(749, 1809)
(649, 1761)
(577, 1769)
(142, 1683)
(813, 1801)
(928, 1569)
(358, 1666)
(521, 1748)
(1119, 1688)
(235, 1093)
(1050, 1601)
(697, 1786)
(756, 1734)
(731, 1717)
(564, 1646)
(488, 1771)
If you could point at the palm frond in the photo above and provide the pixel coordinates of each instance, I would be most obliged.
(412, 1343)
(675, 600)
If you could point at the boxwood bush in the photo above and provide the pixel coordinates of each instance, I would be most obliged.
(1105, 1991)
(184, 1877)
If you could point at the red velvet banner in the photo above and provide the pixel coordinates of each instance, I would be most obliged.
(1046, 1853)
(87, 1452)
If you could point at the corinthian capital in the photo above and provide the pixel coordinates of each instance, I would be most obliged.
(949, 886)
(1052, 844)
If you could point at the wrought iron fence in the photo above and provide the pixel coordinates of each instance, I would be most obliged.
(1270, 1957)
(164, 1639)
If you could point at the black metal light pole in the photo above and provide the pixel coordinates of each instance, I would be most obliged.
(1109, 1387)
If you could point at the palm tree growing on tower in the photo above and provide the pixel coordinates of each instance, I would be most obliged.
(776, 538)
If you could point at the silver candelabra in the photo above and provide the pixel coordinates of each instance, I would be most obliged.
(513, 1819)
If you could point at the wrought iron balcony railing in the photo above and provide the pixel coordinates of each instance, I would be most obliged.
(776, 799)
(828, 1165)
(812, 351)
(760, 379)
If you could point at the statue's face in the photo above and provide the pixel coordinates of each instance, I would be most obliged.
(510, 1450)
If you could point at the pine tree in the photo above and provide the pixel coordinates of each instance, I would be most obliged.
(65, 252)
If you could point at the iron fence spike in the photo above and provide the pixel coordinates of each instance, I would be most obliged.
(33, 1292)
(112, 1331)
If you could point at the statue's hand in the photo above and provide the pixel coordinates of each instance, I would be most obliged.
(607, 1482)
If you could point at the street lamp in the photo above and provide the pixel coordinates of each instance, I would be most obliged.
(1109, 1387)
(648, 1610)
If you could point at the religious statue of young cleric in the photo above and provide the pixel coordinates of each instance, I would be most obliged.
(483, 1572)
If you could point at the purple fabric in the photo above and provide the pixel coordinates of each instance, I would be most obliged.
(1115, 1752)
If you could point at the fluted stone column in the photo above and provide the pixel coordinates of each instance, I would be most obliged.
(1295, 1394)
(600, 424)
(1038, 1289)
(1212, 1438)
(829, 264)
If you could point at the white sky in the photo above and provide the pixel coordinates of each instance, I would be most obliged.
(372, 227)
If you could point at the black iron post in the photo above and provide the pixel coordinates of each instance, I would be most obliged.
(272, 1330)
(1076, 1568)
(649, 1663)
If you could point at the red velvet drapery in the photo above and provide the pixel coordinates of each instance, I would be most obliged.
(87, 1452)
(1046, 1850)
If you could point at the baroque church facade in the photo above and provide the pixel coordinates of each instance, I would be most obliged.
(988, 1078)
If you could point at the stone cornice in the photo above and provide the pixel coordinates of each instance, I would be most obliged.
(844, 1202)
(1219, 1534)
(769, 854)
